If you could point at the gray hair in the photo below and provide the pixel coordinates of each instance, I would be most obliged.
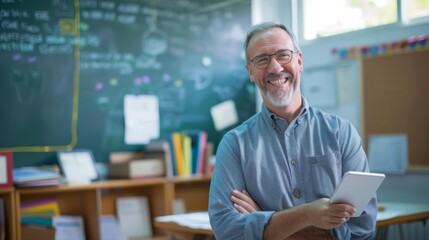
(264, 26)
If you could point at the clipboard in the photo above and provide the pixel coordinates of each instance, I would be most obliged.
(357, 189)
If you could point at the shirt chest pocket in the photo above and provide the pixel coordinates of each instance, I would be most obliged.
(325, 173)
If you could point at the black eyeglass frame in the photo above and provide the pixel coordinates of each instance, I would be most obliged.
(275, 57)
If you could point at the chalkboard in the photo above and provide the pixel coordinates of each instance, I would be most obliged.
(66, 66)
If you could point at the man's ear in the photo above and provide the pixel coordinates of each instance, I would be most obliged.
(301, 67)
(249, 70)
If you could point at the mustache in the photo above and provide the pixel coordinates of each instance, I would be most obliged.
(274, 76)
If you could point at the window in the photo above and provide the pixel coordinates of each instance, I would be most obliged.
(415, 10)
(332, 17)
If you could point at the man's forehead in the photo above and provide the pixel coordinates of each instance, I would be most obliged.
(268, 37)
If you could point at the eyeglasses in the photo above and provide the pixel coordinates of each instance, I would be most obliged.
(283, 56)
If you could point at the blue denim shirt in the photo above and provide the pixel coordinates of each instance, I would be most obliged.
(283, 165)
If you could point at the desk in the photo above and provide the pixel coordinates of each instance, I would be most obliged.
(392, 213)
(399, 213)
(186, 226)
(184, 233)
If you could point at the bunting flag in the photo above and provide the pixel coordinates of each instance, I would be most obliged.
(415, 43)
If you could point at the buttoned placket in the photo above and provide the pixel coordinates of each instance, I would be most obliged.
(292, 156)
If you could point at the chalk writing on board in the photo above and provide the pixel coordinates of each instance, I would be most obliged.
(69, 63)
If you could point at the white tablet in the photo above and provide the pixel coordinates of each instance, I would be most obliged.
(357, 189)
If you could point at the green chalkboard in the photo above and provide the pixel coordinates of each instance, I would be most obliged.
(66, 66)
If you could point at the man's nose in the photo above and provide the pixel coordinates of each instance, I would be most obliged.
(274, 66)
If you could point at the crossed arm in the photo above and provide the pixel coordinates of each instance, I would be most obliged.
(320, 214)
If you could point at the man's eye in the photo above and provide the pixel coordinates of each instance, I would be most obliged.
(261, 60)
(283, 55)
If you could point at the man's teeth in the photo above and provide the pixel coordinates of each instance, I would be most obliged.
(280, 81)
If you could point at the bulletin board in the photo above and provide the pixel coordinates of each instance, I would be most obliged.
(395, 98)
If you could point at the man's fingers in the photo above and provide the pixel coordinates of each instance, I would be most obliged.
(240, 208)
(243, 204)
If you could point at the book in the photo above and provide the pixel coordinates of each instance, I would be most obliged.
(47, 204)
(139, 168)
(39, 183)
(27, 174)
(160, 149)
(40, 221)
(120, 157)
(187, 153)
(6, 166)
(169, 140)
(209, 159)
(134, 216)
(178, 153)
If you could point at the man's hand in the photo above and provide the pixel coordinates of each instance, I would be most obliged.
(243, 202)
(328, 215)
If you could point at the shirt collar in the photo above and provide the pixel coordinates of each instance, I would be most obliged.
(271, 118)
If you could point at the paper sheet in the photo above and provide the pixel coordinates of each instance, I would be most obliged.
(69, 228)
(196, 220)
(141, 118)
(110, 229)
(134, 216)
(320, 87)
(388, 153)
(224, 115)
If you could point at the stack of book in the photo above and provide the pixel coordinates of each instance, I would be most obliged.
(189, 152)
(181, 153)
(39, 212)
(35, 177)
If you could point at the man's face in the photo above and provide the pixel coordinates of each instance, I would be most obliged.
(278, 83)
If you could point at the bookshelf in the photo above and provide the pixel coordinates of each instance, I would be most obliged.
(8, 196)
(99, 198)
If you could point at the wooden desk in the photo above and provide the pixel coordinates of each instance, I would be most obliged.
(184, 233)
(392, 213)
(399, 213)
(187, 226)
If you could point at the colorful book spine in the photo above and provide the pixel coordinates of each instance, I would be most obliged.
(187, 154)
(178, 153)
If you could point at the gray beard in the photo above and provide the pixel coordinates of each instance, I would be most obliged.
(278, 99)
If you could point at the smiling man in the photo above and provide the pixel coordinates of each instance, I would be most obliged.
(275, 172)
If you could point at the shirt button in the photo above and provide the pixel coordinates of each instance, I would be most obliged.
(293, 162)
(297, 193)
(288, 134)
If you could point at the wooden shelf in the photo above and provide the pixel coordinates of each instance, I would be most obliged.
(8, 196)
(99, 198)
